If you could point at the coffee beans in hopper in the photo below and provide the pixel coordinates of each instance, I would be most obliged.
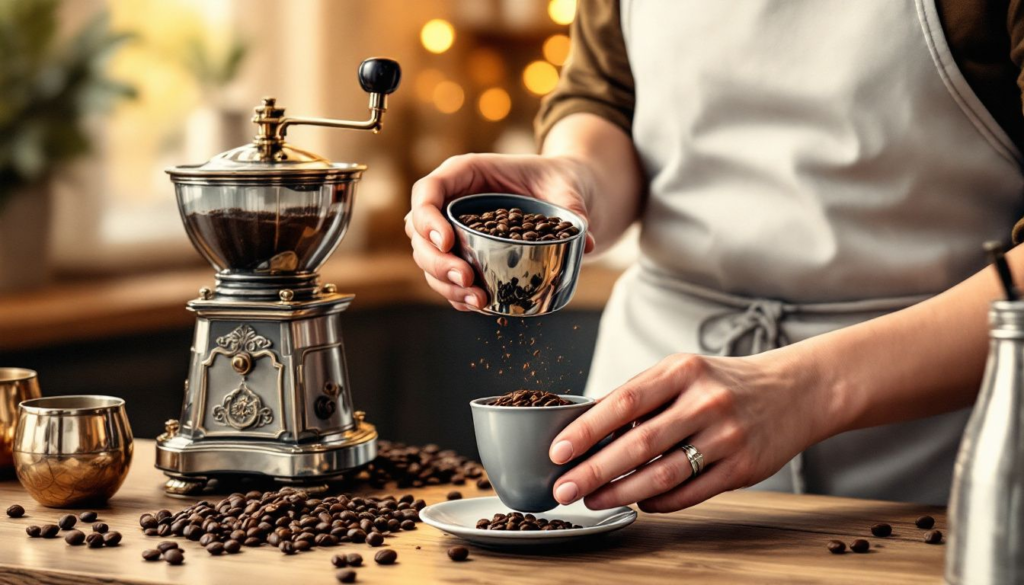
(518, 521)
(523, 398)
(513, 224)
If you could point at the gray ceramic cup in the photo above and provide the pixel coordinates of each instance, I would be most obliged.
(513, 444)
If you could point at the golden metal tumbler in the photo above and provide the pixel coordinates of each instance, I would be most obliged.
(16, 385)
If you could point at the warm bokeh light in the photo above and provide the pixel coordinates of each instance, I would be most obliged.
(562, 11)
(556, 49)
(486, 67)
(540, 77)
(448, 97)
(437, 35)
(494, 104)
(426, 82)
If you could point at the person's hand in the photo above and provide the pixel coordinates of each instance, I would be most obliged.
(563, 181)
(748, 417)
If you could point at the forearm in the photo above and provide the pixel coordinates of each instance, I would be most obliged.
(615, 191)
(923, 360)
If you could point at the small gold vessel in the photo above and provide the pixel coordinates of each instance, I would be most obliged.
(16, 385)
(72, 450)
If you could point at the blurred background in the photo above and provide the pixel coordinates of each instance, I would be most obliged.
(97, 98)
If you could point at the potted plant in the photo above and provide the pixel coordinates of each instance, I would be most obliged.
(48, 90)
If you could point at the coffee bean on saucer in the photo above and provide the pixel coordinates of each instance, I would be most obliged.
(458, 553)
(100, 527)
(232, 547)
(215, 548)
(174, 556)
(94, 540)
(925, 522)
(67, 521)
(87, 516)
(454, 495)
(387, 556)
(374, 539)
(33, 531)
(881, 530)
(346, 576)
(49, 531)
(151, 554)
(74, 537)
(16, 511)
(860, 546)
(933, 537)
(836, 547)
(483, 484)
(112, 538)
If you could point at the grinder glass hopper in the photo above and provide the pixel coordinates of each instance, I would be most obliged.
(267, 391)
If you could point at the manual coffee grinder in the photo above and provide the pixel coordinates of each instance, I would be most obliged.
(267, 391)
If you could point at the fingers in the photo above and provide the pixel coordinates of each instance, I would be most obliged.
(717, 479)
(631, 451)
(443, 267)
(629, 402)
(469, 298)
(457, 176)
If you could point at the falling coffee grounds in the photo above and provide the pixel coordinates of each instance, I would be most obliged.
(518, 521)
(530, 398)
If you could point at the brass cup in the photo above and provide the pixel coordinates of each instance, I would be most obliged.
(72, 450)
(16, 385)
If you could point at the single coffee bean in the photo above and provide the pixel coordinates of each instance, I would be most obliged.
(339, 561)
(483, 484)
(207, 539)
(149, 521)
(836, 547)
(882, 530)
(75, 537)
(458, 553)
(346, 576)
(87, 517)
(166, 546)
(302, 545)
(287, 548)
(232, 547)
(407, 525)
(860, 546)
(49, 531)
(357, 535)
(354, 559)
(112, 538)
(67, 521)
(151, 532)
(102, 528)
(933, 537)
(454, 495)
(16, 511)
(174, 556)
(151, 554)
(925, 522)
(215, 548)
(94, 540)
(253, 541)
(374, 539)
(33, 531)
(387, 556)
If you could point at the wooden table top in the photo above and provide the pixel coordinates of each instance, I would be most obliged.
(740, 537)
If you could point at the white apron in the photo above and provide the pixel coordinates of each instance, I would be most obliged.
(812, 164)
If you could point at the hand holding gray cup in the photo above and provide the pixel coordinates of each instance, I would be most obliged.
(513, 444)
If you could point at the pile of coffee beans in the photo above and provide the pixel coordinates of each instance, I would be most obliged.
(288, 519)
(518, 521)
(530, 398)
(414, 466)
(513, 224)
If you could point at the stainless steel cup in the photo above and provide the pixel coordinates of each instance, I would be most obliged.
(16, 385)
(522, 279)
(513, 444)
(72, 450)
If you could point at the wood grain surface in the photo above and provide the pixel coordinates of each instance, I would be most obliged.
(741, 537)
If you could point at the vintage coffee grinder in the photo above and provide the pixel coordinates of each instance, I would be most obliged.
(267, 391)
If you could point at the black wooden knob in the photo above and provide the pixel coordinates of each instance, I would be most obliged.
(379, 75)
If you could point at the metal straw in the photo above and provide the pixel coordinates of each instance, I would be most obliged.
(997, 255)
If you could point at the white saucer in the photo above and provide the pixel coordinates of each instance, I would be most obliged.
(459, 517)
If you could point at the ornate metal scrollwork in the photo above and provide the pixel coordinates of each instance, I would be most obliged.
(243, 338)
(243, 409)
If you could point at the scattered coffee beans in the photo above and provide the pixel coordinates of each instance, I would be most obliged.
(925, 522)
(50, 531)
(933, 537)
(87, 516)
(513, 224)
(454, 495)
(34, 531)
(75, 537)
(166, 546)
(346, 576)
(354, 559)
(530, 398)
(836, 547)
(517, 521)
(413, 466)
(387, 556)
(16, 511)
(100, 527)
(860, 546)
(151, 554)
(881, 530)
(94, 540)
(67, 521)
(458, 553)
(174, 556)
(374, 539)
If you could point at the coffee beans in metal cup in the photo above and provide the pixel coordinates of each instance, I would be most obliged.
(513, 224)
(514, 521)
(530, 398)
